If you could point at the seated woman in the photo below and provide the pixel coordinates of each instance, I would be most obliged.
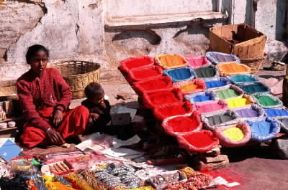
(45, 98)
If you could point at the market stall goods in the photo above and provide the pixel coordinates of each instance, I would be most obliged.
(191, 86)
(228, 92)
(234, 135)
(283, 124)
(250, 112)
(267, 101)
(144, 73)
(243, 79)
(182, 124)
(161, 181)
(197, 61)
(276, 112)
(214, 84)
(212, 106)
(135, 62)
(264, 130)
(217, 119)
(206, 72)
(150, 85)
(201, 141)
(255, 88)
(162, 98)
(163, 112)
(170, 61)
(218, 57)
(232, 68)
(180, 74)
(238, 102)
(200, 97)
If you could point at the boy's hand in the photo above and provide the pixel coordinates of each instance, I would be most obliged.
(94, 116)
(54, 136)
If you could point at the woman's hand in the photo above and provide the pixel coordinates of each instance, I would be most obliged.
(54, 136)
(57, 118)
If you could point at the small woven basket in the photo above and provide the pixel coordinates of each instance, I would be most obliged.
(78, 74)
(254, 63)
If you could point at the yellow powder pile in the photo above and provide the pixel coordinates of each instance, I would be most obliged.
(234, 133)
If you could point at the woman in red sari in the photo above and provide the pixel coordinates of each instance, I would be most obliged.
(45, 99)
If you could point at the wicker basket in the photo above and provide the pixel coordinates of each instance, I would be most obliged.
(8, 88)
(255, 63)
(78, 74)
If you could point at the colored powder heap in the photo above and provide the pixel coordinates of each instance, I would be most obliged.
(202, 98)
(216, 83)
(171, 61)
(247, 112)
(243, 78)
(227, 93)
(254, 88)
(262, 128)
(234, 133)
(146, 73)
(237, 102)
(180, 74)
(265, 100)
(190, 87)
(183, 124)
(219, 119)
(162, 98)
(205, 72)
(199, 139)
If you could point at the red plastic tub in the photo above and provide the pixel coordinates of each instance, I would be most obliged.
(135, 62)
(201, 141)
(182, 124)
(162, 98)
(163, 112)
(154, 84)
(144, 73)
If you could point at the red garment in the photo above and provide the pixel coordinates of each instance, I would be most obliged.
(40, 96)
(36, 93)
(74, 123)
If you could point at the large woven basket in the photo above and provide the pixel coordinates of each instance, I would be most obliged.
(78, 74)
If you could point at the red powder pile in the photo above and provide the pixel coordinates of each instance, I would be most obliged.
(176, 109)
(183, 124)
(199, 139)
(145, 73)
(160, 98)
(136, 62)
(154, 84)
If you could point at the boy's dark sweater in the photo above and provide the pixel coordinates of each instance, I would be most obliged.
(104, 113)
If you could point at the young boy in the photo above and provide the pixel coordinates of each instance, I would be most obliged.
(98, 107)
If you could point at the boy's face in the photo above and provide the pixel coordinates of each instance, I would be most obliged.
(99, 100)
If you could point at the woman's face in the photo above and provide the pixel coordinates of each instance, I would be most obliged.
(39, 62)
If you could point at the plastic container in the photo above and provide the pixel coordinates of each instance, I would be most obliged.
(180, 74)
(182, 124)
(198, 142)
